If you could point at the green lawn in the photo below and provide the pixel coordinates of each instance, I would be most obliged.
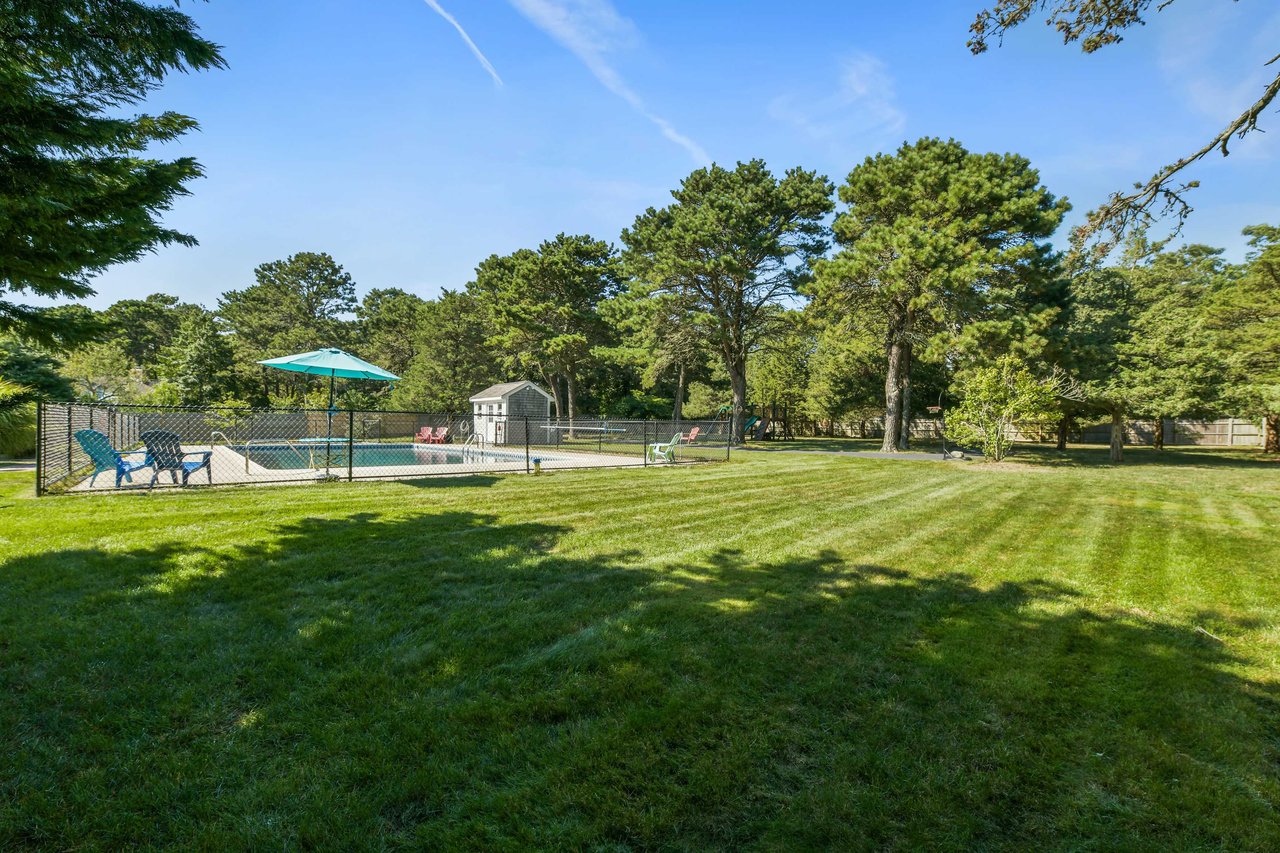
(788, 651)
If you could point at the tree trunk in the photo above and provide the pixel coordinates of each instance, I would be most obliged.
(738, 379)
(572, 386)
(677, 410)
(557, 397)
(1062, 432)
(1117, 437)
(893, 397)
(1157, 437)
(904, 436)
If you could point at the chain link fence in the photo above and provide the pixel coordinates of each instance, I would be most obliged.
(92, 448)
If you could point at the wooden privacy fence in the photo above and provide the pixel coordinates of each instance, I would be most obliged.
(1180, 432)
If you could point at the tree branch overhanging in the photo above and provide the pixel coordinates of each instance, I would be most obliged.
(1122, 211)
(1095, 24)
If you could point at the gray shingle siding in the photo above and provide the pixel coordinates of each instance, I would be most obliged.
(528, 403)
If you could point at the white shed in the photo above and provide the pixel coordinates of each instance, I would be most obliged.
(502, 411)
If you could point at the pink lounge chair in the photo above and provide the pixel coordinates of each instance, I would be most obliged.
(423, 436)
(693, 433)
(441, 434)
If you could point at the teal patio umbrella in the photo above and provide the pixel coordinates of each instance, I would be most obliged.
(333, 363)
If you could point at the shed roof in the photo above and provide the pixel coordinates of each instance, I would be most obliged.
(505, 389)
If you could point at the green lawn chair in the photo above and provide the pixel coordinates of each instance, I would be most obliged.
(107, 458)
(663, 450)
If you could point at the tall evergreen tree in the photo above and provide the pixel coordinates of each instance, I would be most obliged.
(734, 245)
(1172, 365)
(846, 374)
(144, 327)
(199, 363)
(1245, 315)
(1099, 332)
(301, 303)
(454, 358)
(659, 342)
(389, 320)
(779, 369)
(544, 308)
(936, 239)
(78, 190)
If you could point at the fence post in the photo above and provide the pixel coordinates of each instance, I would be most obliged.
(71, 465)
(644, 443)
(728, 444)
(40, 448)
(526, 444)
(351, 444)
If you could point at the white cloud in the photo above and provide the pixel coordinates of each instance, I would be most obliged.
(488, 66)
(592, 30)
(1217, 63)
(863, 106)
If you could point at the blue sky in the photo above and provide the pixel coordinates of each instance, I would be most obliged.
(373, 131)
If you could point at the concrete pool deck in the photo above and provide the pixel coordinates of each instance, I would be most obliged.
(229, 468)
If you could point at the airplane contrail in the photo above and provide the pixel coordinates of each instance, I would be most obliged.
(488, 66)
(589, 30)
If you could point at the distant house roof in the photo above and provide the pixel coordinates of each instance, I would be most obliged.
(505, 389)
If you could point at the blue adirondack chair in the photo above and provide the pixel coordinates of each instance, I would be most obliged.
(165, 450)
(107, 458)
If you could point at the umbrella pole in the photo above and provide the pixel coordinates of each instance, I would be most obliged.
(328, 445)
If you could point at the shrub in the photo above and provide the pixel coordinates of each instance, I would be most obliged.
(17, 419)
(994, 398)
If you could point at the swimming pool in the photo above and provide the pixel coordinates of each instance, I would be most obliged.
(297, 456)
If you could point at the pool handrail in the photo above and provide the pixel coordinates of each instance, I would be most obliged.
(287, 442)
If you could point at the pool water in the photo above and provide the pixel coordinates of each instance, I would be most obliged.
(283, 457)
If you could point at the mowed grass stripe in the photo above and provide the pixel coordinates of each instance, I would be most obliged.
(843, 507)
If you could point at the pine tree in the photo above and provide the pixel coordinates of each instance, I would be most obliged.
(1172, 365)
(734, 246)
(1246, 319)
(78, 191)
(199, 363)
(936, 239)
(544, 308)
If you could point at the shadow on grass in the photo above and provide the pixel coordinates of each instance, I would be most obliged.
(449, 681)
(449, 481)
(1177, 457)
